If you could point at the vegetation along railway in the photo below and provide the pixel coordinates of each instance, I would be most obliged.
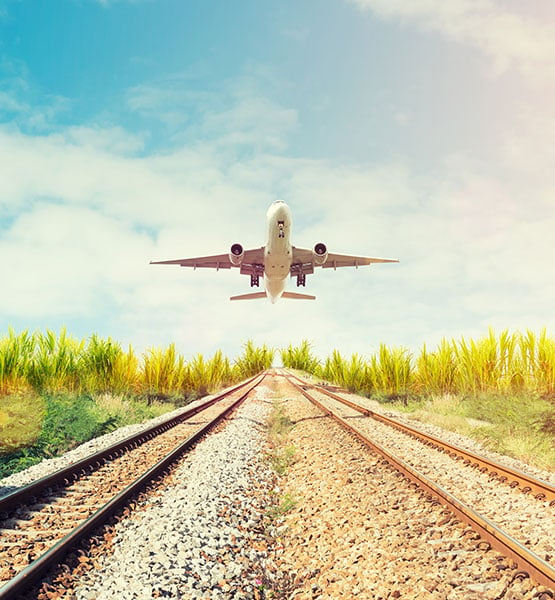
(43, 521)
(510, 511)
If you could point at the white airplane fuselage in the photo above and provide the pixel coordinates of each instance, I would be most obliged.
(277, 260)
(278, 252)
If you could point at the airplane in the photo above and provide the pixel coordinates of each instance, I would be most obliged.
(277, 260)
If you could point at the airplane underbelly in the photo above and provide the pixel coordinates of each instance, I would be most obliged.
(277, 261)
(277, 267)
(274, 287)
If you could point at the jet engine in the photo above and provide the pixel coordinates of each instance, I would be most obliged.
(320, 254)
(236, 254)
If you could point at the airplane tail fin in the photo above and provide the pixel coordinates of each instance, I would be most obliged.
(296, 296)
(249, 296)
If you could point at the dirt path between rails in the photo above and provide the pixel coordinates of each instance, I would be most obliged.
(357, 530)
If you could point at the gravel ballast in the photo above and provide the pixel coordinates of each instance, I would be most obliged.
(203, 536)
(353, 527)
(360, 530)
(50, 465)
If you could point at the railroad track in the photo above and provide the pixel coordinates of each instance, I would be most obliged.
(528, 484)
(525, 543)
(42, 522)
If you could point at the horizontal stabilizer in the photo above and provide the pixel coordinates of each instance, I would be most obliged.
(249, 296)
(295, 296)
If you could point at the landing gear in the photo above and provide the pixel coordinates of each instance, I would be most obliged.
(301, 280)
(255, 280)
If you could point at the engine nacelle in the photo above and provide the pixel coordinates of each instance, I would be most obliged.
(236, 254)
(320, 253)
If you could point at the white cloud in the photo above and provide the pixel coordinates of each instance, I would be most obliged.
(114, 140)
(9, 103)
(528, 141)
(85, 214)
(63, 260)
(17, 104)
(239, 115)
(507, 38)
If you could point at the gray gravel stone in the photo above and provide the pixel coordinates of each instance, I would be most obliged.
(195, 538)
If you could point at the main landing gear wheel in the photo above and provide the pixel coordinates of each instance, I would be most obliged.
(301, 280)
(255, 280)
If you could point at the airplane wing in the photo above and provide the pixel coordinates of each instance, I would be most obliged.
(303, 260)
(251, 263)
(345, 260)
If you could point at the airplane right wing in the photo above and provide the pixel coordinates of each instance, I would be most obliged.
(253, 261)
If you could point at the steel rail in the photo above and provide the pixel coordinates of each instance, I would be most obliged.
(542, 490)
(70, 473)
(19, 584)
(538, 569)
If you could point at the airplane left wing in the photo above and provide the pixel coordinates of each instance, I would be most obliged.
(345, 260)
(303, 260)
(252, 260)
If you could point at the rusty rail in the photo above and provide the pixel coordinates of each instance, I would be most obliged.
(71, 472)
(538, 569)
(52, 557)
(542, 490)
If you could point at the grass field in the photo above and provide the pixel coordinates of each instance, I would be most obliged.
(521, 427)
(57, 391)
(499, 389)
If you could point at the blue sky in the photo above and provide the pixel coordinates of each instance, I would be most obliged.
(133, 130)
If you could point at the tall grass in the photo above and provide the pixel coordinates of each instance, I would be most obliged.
(348, 373)
(504, 363)
(253, 360)
(205, 375)
(163, 372)
(16, 352)
(54, 365)
(105, 367)
(50, 363)
(538, 356)
(390, 372)
(300, 358)
(436, 372)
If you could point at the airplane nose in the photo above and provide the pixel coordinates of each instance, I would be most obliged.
(279, 210)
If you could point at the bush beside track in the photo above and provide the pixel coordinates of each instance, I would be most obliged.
(57, 392)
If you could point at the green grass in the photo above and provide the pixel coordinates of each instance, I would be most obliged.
(50, 363)
(507, 363)
(34, 428)
(57, 391)
(21, 417)
(253, 360)
(300, 358)
(499, 388)
(282, 452)
(285, 503)
(518, 426)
